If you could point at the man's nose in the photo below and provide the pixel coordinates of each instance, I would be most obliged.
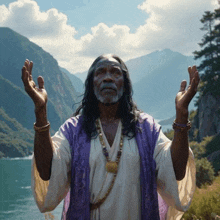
(108, 77)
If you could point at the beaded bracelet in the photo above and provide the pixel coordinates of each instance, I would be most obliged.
(181, 127)
(43, 128)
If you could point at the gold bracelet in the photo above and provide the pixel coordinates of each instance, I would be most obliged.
(43, 128)
(181, 127)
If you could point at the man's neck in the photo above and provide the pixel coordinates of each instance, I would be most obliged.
(108, 113)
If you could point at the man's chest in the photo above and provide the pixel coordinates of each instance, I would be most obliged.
(110, 132)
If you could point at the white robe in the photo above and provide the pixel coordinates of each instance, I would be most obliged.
(124, 201)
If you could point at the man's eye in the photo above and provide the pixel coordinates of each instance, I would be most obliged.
(98, 72)
(117, 72)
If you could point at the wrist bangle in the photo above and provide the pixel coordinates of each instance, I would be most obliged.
(43, 128)
(181, 127)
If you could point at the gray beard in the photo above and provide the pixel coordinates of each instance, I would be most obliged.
(114, 99)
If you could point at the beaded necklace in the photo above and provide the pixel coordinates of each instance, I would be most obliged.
(111, 166)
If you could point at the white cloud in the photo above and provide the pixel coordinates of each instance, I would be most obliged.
(25, 17)
(171, 24)
(103, 39)
(4, 13)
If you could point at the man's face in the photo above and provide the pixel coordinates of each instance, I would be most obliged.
(108, 81)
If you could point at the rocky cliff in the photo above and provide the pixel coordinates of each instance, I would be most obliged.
(207, 119)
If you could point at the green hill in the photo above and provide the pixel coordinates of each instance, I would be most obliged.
(15, 140)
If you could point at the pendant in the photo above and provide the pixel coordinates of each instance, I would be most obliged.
(111, 167)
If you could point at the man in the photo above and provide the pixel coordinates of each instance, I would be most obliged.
(114, 158)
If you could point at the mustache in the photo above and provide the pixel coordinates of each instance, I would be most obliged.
(108, 86)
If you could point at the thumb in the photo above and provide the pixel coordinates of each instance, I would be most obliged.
(183, 86)
(40, 81)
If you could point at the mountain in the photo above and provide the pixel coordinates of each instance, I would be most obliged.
(14, 50)
(76, 82)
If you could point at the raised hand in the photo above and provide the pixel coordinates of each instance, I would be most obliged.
(43, 150)
(184, 96)
(37, 94)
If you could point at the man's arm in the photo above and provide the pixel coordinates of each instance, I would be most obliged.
(180, 145)
(180, 150)
(43, 150)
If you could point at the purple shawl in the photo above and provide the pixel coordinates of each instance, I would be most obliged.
(77, 201)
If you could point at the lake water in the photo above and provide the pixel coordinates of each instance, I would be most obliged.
(16, 199)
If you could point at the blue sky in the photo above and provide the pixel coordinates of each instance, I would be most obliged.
(76, 32)
(84, 14)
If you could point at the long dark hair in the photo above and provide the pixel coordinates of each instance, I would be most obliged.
(128, 111)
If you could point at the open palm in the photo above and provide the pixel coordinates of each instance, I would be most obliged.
(184, 96)
(37, 94)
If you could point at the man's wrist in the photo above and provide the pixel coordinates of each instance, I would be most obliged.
(181, 120)
(41, 117)
(182, 116)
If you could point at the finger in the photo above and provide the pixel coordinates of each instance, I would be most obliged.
(40, 80)
(188, 95)
(26, 79)
(26, 64)
(29, 86)
(194, 69)
(183, 86)
(191, 90)
(190, 74)
(197, 78)
(30, 67)
(189, 71)
(195, 82)
(24, 75)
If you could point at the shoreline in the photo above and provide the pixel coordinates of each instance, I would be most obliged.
(18, 158)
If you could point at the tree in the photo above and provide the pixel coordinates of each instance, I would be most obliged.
(210, 65)
(216, 33)
(204, 172)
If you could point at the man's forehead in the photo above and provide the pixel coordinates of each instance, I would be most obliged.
(108, 61)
